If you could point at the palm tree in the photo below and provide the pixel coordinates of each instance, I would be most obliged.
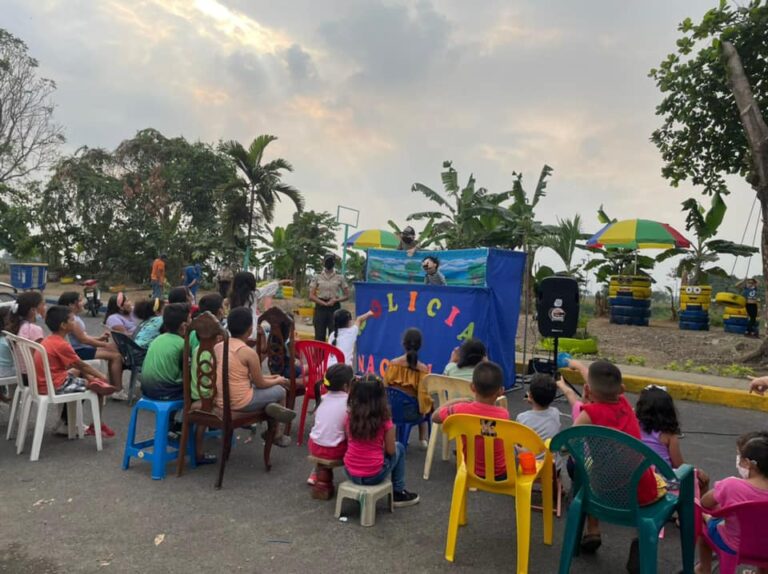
(564, 240)
(262, 182)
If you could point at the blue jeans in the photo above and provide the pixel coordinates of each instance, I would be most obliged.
(157, 290)
(394, 464)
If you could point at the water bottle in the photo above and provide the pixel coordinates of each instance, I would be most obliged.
(562, 360)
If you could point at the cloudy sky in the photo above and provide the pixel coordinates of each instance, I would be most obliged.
(370, 96)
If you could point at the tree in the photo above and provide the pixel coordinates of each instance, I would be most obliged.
(29, 138)
(564, 241)
(262, 183)
(712, 101)
(470, 216)
(705, 250)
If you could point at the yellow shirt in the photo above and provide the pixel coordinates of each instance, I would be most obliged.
(409, 381)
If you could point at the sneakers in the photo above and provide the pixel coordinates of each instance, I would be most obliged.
(105, 431)
(121, 395)
(280, 413)
(405, 498)
(424, 444)
(312, 480)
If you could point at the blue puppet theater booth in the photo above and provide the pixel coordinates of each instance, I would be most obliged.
(481, 300)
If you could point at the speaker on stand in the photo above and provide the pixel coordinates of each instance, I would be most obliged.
(557, 311)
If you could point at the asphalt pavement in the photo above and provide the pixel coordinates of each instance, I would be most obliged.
(76, 510)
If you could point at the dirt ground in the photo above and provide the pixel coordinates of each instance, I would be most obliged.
(663, 345)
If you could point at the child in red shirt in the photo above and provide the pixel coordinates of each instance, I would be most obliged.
(605, 405)
(69, 373)
(488, 385)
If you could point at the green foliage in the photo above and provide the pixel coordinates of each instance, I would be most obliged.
(705, 250)
(737, 371)
(635, 360)
(355, 266)
(564, 239)
(702, 138)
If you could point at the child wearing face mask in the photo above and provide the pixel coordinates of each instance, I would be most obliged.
(750, 486)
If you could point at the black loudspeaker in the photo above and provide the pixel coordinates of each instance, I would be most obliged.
(557, 306)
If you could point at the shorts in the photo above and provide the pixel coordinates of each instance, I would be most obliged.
(328, 452)
(716, 537)
(86, 353)
(263, 397)
(72, 384)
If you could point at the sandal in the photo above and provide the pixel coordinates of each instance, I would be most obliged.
(590, 543)
(282, 441)
(207, 459)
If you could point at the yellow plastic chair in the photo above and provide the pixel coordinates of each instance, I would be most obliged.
(443, 389)
(515, 484)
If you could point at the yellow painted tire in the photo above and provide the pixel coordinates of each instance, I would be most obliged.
(729, 316)
(699, 306)
(735, 311)
(696, 290)
(629, 281)
(730, 299)
(695, 299)
(635, 292)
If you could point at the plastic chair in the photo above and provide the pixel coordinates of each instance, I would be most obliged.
(315, 354)
(515, 483)
(156, 449)
(753, 531)
(18, 393)
(26, 349)
(405, 414)
(133, 359)
(367, 496)
(609, 465)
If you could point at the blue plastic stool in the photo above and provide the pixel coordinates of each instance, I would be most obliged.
(155, 449)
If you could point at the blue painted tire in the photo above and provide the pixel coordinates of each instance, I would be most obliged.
(736, 322)
(624, 320)
(623, 311)
(694, 316)
(690, 326)
(630, 302)
(693, 308)
(736, 329)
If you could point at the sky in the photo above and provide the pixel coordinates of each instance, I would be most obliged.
(368, 97)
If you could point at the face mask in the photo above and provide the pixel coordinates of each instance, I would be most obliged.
(743, 472)
(328, 265)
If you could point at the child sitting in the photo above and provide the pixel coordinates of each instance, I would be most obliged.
(751, 486)
(119, 316)
(69, 373)
(249, 389)
(371, 436)
(605, 405)
(542, 418)
(327, 438)
(344, 334)
(464, 359)
(406, 373)
(488, 385)
(660, 428)
(150, 313)
(161, 373)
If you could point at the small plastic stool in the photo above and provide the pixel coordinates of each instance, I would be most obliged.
(323, 488)
(367, 496)
(159, 453)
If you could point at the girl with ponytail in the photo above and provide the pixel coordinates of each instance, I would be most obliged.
(344, 334)
(406, 373)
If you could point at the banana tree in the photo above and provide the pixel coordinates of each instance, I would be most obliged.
(564, 241)
(699, 260)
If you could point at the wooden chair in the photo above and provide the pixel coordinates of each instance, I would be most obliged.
(203, 411)
(273, 348)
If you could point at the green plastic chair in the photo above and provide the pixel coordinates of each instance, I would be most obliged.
(608, 465)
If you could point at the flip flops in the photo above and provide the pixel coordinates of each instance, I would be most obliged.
(590, 543)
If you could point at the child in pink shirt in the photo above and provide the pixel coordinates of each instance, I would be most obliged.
(372, 453)
(21, 321)
(752, 486)
(327, 439)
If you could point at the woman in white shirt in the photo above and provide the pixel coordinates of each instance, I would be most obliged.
(344, 334)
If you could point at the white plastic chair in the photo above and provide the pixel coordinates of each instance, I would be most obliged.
(18, 393)
(74, 401)
(9, 382)
(443, 389)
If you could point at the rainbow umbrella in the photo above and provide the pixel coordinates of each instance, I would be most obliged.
(373, 239)
(638, 234)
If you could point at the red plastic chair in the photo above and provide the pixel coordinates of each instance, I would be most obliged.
(315, 354)
(753, 532)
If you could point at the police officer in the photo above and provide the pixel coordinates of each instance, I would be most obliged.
(327, 290)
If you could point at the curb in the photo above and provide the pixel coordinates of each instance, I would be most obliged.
(733, 398)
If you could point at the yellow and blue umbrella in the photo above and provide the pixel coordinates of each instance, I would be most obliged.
(373, 239)
(638, 234)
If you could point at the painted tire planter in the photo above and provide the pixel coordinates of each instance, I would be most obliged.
(735, 329)
(736, 321)
(690, 326)
(634, 292)
(735, 311)
(693, 317)
(629, 281)
(630, 302)
(694, 307)
(619, 310)
(636, 321)
(630, 299)
(730, 299)
(568, 345)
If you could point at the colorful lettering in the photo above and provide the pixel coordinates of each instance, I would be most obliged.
(432, 305)
(392, 306)
(376, 308)
(452, 317)
(412, 303)
(467, 333)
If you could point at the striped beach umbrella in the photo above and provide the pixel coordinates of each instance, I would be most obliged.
(638, 234)
(373, 239)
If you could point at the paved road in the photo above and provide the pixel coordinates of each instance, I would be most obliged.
(76, 511)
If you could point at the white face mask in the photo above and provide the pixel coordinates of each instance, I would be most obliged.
(743, 472)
